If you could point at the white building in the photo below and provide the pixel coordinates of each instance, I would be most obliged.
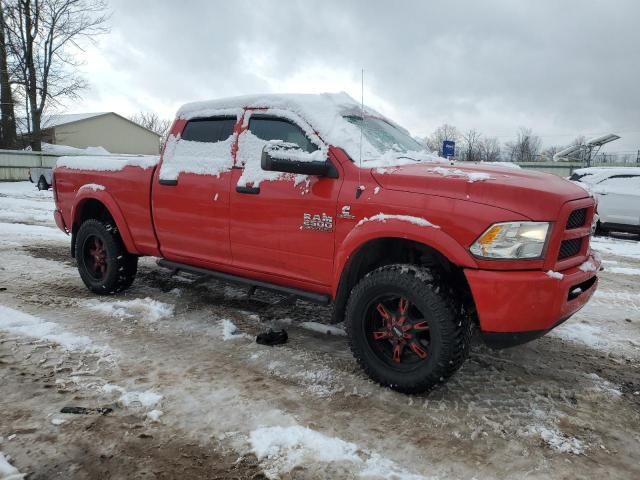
(103, 129)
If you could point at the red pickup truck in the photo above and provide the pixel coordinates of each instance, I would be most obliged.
(318, 197)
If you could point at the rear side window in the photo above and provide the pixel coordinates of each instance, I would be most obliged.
(209, 130)
(280, 129)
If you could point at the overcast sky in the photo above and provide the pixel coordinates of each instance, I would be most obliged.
(562, 68)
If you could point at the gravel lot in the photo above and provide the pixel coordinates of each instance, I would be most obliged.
(193, 396)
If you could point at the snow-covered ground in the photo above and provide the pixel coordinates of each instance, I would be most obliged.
(193, 396)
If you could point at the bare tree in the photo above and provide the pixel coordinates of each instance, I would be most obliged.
(442, 133)
(42, 36)
(470, 149)
(153, 122)
(489, 149)
(8, 133)
(526, 148)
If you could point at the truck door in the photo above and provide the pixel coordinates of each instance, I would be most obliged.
(190, 196)
(268, 230)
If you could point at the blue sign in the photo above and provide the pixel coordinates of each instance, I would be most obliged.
(448, 148)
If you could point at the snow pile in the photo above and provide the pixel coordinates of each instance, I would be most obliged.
(556, 439)
(145, 308)
(383, 217)
(8, 471)
(92, 186)
(556, 275)
(322, 328)
(201, 158)
(588, 266)
(67, 150)
(145, 399)
(281, 449)
(230, 331)
(107, 163)
(456, 172)
(23, 324)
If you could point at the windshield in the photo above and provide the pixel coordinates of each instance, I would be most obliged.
(385, 137)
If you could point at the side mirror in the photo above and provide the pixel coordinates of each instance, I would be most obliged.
(290, 158)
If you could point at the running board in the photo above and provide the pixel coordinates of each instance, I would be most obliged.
(227, 277)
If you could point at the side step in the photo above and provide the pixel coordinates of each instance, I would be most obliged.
(227, 277)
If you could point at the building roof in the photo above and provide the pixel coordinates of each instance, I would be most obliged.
(56, 120)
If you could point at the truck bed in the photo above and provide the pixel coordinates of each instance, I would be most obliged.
(120, 182)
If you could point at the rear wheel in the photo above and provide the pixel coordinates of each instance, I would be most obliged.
(42, 183)
(104, 264)
(403, 330)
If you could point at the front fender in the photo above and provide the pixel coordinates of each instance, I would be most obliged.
(85, 194)
(432, 237)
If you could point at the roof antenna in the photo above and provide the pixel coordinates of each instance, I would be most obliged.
(360, 188)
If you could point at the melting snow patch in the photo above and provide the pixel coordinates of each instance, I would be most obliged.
(230, 331)
(136, 399)
(623, 270)
(602, 385)
(556, 275)
(383, 217)
(26, 325)
(322, 328)
(456, 172)
(57, 421)
(284, 448)
(8, 471)
(154, 415)
(556, 440)
(92, 186)
(107, 163)
(614, 246)
(580, 333)
(146, 308)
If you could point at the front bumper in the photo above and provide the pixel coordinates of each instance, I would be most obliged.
(515, 307)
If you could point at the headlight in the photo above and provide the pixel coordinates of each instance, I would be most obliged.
(513, 240)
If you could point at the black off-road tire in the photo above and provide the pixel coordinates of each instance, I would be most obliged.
(120, 267)
(449, 327)
(42, 183)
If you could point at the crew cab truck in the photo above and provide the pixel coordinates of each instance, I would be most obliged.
(319, 197)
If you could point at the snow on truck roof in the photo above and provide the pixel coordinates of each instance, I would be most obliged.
(325, 113)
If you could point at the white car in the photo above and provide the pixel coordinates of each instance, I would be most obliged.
(618, 193)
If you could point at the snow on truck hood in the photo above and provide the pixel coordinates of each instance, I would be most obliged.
(521, 191)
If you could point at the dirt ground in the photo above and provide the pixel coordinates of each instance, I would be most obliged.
(565, 406)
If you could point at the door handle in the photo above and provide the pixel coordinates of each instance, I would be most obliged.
(248, 190)
(169, 183)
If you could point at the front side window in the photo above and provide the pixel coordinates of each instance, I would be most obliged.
(209, 129)
(280, 129)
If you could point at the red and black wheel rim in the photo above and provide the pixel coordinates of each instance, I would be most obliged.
(94, 255)
(397, 331)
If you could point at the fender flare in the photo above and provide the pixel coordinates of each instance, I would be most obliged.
(104, 197)
(431, 237)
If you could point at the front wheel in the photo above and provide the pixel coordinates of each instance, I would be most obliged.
(403, 330)
(103, 262)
